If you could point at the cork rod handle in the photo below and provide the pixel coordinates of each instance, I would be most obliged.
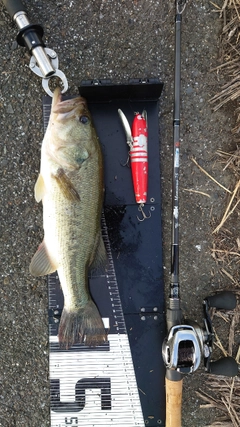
(173, 402)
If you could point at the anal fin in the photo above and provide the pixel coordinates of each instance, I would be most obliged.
(41, 263)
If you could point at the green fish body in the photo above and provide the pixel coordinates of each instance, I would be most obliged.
(71, 188)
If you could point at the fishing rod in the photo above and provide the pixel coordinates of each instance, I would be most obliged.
(186, 343)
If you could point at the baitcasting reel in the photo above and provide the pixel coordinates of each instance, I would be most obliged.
(188, 343)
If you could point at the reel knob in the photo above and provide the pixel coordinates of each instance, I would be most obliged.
(225, 300)
(226, 366)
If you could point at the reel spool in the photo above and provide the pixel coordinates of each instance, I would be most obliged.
(183, 347)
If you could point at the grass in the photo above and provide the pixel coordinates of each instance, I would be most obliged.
(221, 392)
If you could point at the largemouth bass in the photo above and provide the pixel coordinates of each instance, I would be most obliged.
(70, 185)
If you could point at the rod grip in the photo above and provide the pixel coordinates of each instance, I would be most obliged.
(173, 402)
(14, 6)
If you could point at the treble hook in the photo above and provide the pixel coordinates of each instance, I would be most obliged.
(126, 163)
(140, 208)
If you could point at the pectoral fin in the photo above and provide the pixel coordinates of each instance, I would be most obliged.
(39, 189)
(41, 263)
(66, 186)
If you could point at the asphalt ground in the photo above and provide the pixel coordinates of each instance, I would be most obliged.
(116, 40)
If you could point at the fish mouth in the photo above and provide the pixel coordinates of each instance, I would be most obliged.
(68, 106)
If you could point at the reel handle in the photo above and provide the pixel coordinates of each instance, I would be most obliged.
(226, 366)
(173, 399)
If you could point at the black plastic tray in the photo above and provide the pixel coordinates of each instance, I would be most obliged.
(136, 247)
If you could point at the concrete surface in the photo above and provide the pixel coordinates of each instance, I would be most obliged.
(117, 40)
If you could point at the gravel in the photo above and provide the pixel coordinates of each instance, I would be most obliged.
(117, 40)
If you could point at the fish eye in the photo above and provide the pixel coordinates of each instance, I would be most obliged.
(84, 119)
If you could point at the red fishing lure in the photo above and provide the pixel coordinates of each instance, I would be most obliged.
(139, 157)
(137, 139)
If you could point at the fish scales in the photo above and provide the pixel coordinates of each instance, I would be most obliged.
(70, 186)
(71, 218)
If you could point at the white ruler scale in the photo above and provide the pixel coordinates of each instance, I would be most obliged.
(93, 386)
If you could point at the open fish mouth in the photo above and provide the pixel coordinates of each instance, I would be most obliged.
(67, 107)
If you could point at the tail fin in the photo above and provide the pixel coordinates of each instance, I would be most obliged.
(82, 326)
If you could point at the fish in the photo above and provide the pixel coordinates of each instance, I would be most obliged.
(71, 187)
